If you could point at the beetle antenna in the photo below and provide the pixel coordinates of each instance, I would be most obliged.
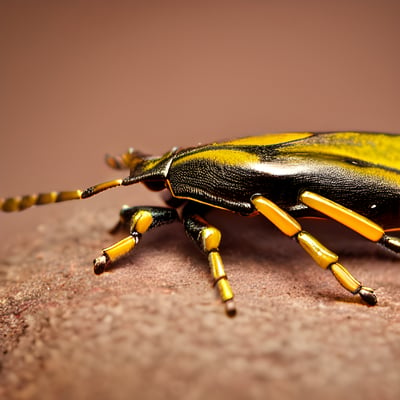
(20, 203)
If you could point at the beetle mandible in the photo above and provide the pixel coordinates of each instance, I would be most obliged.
(350, 177)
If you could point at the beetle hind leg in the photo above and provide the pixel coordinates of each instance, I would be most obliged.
(324, 257)
(390, 242)
(139, 220)
(208, 238)
(354, 221)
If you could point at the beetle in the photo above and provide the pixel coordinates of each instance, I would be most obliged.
(350, 177)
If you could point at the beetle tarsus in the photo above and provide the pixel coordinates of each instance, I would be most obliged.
(368, 296)
(99, 264)
(230, 308)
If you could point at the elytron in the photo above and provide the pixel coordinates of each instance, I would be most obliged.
(350, 177)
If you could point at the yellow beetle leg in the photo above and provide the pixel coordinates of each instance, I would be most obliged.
(343, 215)
(324, 257)
(356, 222)
(141, 219)
(208, 239)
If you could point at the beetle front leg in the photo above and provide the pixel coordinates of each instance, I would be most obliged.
(208, 238)
(139, 220)
(324, 257)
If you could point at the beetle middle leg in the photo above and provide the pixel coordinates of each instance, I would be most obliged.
(324, 257)
(139, 220)
(208, 238)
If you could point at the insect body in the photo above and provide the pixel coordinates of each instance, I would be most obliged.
(351, 177)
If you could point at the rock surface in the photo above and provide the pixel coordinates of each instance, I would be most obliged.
(152, 328)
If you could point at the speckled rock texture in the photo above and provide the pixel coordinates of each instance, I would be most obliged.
(152, 327)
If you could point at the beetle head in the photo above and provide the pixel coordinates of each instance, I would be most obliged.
(144, 168)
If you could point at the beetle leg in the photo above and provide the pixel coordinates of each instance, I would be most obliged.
(324, 257)
(356, 222)
(139, 220)
(161, 216)
(208, 238)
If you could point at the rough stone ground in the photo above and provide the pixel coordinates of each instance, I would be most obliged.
(151, 328)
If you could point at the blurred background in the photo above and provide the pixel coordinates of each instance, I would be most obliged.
(79, 79)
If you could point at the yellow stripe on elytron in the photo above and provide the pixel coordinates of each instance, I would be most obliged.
(378, 149)
(220, 156)
(268, 140)
(150, 164)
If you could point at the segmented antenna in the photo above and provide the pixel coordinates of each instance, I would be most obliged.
(19, 203)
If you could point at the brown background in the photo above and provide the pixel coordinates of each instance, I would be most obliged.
(79, 79)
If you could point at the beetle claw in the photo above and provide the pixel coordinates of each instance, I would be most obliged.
(368, 296)
(99, 264)
(230, 308)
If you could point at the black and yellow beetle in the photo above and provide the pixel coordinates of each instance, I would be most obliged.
(351, 177)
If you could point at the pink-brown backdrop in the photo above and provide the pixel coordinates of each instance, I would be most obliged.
(79, 79)
(82, 78)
